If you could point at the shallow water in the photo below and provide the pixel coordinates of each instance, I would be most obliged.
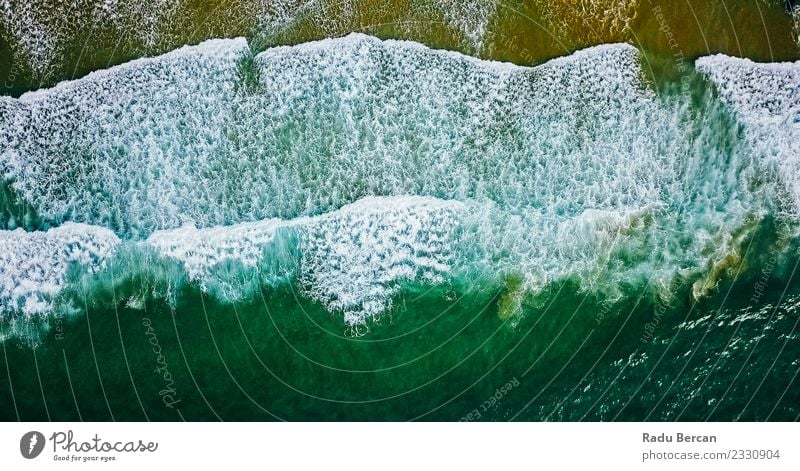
(38, 48)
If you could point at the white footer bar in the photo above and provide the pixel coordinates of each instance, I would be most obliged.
(382, 446)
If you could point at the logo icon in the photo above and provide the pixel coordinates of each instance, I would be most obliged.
(31, 445)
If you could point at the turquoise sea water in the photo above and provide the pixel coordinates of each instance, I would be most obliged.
(440, 355)
(365, 229)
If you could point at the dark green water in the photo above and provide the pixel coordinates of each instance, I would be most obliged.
(440, 354)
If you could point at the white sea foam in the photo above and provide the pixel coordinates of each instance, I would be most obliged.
(160, 142)
(352, 260)
(124, 147)
(33, 265)
(766, 99)
(384, 162)
(199, 250)
(554, 154)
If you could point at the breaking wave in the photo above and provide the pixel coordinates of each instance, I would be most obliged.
(353, 167)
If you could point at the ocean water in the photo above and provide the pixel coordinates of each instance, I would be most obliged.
(45, 41)
(358, 228)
